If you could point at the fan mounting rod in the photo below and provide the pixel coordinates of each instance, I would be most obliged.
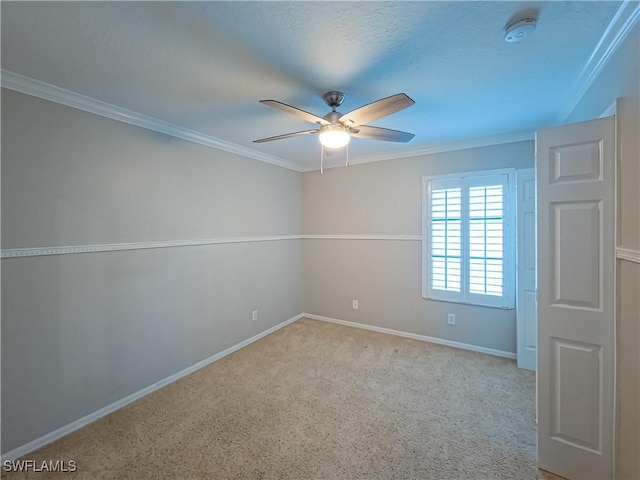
(334, 99)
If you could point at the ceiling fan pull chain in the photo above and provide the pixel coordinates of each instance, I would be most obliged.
(347, 152)
(321, 157)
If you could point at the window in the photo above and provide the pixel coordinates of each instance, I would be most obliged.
(467, 238)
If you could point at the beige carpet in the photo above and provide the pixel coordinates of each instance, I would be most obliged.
(320, 401)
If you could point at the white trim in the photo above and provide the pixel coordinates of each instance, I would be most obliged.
(620, 26)
(610, 110)
(628, 254)
(475, 173)
(411, 238)
(36, 88)
(46, 91)
(415, 336)
(622, 253)
(440, 147)
(114, 247)
(92, 417)
(614, 418)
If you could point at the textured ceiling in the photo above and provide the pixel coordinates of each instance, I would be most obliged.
(205, 65)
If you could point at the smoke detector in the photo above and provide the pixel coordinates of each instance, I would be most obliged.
(518, 30)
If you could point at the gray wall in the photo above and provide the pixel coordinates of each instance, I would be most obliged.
(81, 331)
(384, 198)
(621, 78)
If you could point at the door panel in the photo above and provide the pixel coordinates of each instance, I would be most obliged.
(576, 163)
(575, 169)
(575, 254)
(576, 386)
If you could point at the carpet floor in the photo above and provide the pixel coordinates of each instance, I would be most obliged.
(320, 401)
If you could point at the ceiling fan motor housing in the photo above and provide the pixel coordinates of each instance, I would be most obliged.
(333, 117)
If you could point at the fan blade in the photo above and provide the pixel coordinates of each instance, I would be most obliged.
(378, 109)
(286, 135)
(309, 117)
(385, 134)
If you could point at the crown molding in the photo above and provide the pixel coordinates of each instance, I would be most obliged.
(441, 147)
(46, 91)
(621, 24)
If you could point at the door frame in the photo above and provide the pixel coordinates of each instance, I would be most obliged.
(527, 360)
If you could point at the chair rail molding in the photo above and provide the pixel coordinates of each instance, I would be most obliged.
(411, 238)
(116, 247)
(628, 254)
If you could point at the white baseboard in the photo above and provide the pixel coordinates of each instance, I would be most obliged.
(415, 336)
(92, 417)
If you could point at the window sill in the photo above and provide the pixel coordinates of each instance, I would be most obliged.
(469, 304)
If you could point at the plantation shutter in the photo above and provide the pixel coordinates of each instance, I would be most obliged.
(466, 236)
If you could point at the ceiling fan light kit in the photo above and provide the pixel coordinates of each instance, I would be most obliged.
(337, 129)
(334, 136)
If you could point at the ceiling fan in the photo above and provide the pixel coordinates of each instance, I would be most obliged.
(337, 129)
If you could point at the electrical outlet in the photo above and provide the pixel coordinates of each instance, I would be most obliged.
(254, 315)
(451, 318)
(354, 304)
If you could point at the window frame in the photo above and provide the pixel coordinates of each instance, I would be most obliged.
(465, 181)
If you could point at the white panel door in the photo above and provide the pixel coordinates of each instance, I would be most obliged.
(575, 166)
(526, 310)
